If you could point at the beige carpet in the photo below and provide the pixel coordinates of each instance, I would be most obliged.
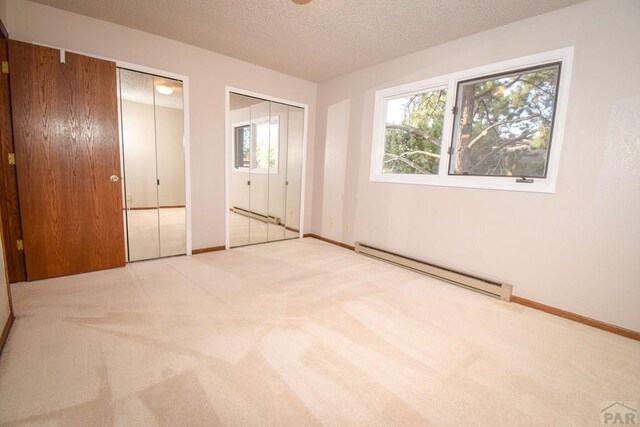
(297, 333)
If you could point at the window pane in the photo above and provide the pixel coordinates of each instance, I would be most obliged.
(413, 133)
(266, 146)
(503, 124)
(243, 147)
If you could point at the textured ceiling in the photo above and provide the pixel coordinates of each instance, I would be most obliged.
(140, 87)
(316, 41)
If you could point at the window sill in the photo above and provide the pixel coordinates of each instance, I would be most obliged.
(539, 185)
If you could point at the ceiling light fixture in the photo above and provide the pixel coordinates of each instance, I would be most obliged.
(301, 1)
(165, 90)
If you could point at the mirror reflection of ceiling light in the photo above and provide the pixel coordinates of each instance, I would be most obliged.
(165, 90)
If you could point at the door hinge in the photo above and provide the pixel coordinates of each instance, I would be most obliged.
(11, 158)
(5, 67)
(449, 150)
(454, 110)
(20, 245)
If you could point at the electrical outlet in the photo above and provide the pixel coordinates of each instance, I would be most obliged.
(347, 227)
(332, 222)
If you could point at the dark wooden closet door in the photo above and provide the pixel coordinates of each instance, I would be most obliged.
(9, 207)
(66, 139)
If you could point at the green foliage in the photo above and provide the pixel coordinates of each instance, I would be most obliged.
(508, 132)
(412, 146)
(246, 147)
(266, 149)
(511, 125)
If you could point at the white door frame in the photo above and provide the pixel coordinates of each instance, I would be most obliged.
(229, 148)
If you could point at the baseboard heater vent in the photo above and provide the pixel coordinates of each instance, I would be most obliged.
(489, 287)
(255, 215)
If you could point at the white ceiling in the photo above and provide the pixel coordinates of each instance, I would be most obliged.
(316, 41)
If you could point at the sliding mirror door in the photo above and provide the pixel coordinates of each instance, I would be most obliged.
(277, 170)
(139, 152)
(240, 176)
(266, 170)
(151, 120)
(259, 172)
(295, 147)
(170, 163)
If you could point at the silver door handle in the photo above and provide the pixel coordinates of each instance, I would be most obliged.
(114, 178)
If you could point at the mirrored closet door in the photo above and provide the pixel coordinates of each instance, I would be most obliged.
(266, 170)
(151, 134)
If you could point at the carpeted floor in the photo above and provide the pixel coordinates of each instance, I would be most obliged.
(297, 333)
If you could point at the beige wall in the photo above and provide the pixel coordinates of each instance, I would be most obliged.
(208, 74)
(169, 136)
(3, 11)
(143, 128)
(577, 249)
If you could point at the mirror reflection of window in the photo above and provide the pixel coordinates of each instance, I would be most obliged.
(266, 149)
(242, 147)
(260, 154)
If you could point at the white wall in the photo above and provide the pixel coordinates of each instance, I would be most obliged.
(335, 169)
(577, 249)
(144, 128)
(170, 156)
(3, 11)
(138, 148)
(208, 74)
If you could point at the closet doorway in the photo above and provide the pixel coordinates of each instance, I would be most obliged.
(151, 114)
(265, 178)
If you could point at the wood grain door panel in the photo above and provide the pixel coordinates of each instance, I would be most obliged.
(66, 140)
(9, 207)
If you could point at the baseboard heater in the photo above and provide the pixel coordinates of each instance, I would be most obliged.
(255, 215)
(489, 287)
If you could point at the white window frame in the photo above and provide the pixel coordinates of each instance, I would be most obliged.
(253, 125)
(450, 82)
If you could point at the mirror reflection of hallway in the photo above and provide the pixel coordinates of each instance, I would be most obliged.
(152, 134)
(266, 170)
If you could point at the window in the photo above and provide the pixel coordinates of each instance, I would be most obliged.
(503, 124)
(413, 133)
(259, 154)
(495, 127)
(242, 147)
